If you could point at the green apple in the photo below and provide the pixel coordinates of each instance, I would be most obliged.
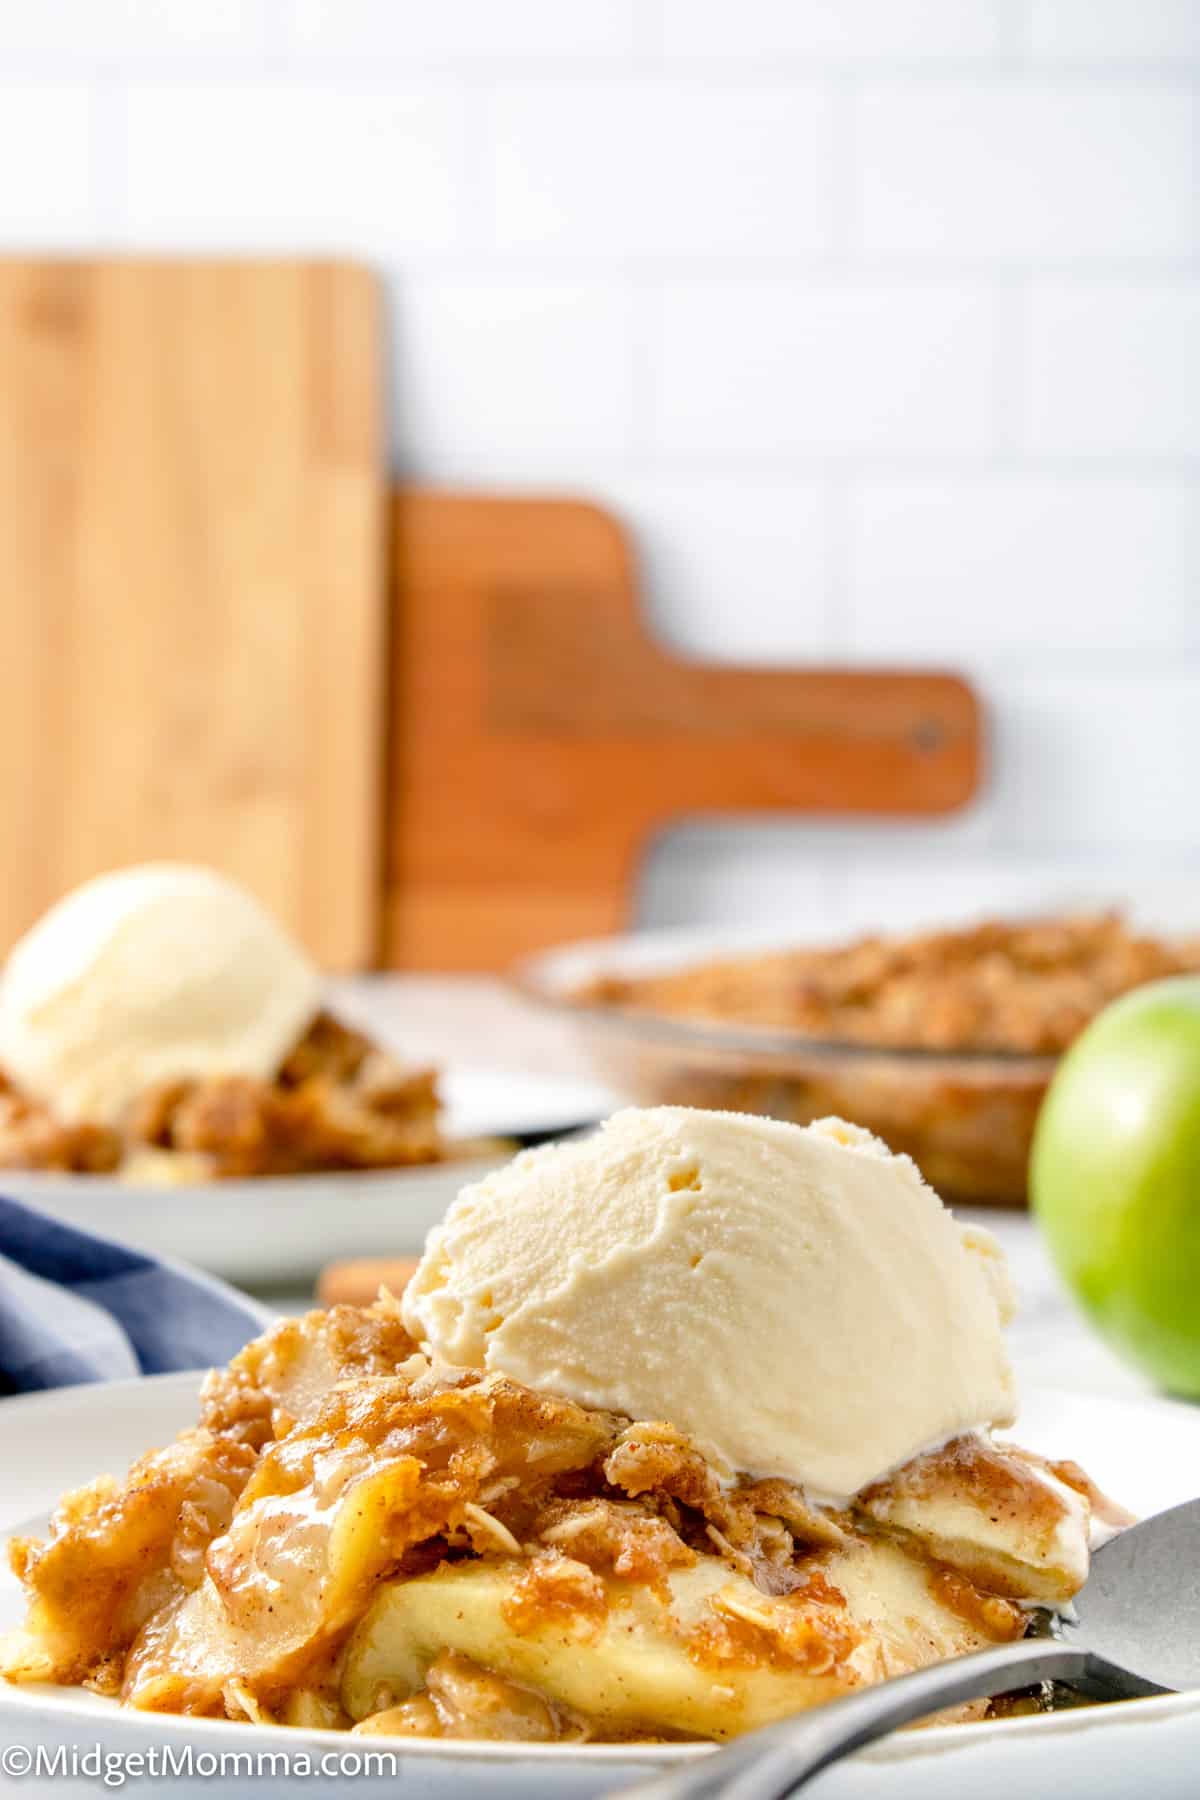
(1115, 1177)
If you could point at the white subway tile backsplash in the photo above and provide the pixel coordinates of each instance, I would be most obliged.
(652, 167)
(1113, 368)
(1035, 563)
(1115, 30)
(405, 31)
(695, 876)
(890, 893)
(882, 891)
(852, 30)
(877, 321)
(817, 886)
(266, 165)
(815, 881)
(823, 367)
(47, 194)
(1097, 759)
(969, 168)
(490, 371)
(135, 31)
(733, 569)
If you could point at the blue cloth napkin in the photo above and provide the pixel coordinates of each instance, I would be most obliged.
(75, 1306)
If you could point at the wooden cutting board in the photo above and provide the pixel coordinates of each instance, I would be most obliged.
(539, 737)
(195, 632)
(192, 603)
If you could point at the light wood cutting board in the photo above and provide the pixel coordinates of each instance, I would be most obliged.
(192, 603)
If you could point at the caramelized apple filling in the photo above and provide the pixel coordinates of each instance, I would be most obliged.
(353, 1538)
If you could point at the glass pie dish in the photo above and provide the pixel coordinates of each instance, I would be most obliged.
(965, 1116)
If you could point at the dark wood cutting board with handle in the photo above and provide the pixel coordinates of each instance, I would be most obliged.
(539, 736)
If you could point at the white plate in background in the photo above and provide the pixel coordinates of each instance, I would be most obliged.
(504, 1102)
(1146, 1453)
(281, 1229)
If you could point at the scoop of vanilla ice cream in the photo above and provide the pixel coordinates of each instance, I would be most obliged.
(145, 975)
(796, 1299)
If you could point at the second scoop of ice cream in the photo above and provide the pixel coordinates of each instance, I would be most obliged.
(148, 974)
(796, 1298)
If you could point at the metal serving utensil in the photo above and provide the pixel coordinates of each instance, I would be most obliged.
(1136, 1631)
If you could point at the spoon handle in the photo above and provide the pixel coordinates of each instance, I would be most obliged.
(773, 1762)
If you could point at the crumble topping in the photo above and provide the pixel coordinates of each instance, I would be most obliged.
(556, 1589)
(1010, 987)
(337, 1102)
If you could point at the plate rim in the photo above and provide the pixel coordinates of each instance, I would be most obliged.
(98, 1187)
(42, 1698)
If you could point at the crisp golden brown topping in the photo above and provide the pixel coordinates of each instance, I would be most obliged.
(290, 1368)
(1028, 987)
(615, 1538)
(755, 1526)
(31, 1138)
(338, 1102)
(116, 1554)
(809, 1629)
(555, 1589)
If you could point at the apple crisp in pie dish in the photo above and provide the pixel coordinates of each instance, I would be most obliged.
(158, 1025)
(675, 1431)
(943, 1042)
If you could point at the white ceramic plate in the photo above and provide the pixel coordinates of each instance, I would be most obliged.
(1148, 1454)
(281, 1229)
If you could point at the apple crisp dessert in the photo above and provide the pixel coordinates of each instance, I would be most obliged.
(943, 1043)
(1012, 988)
(337, 1102)
(353, 1537)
